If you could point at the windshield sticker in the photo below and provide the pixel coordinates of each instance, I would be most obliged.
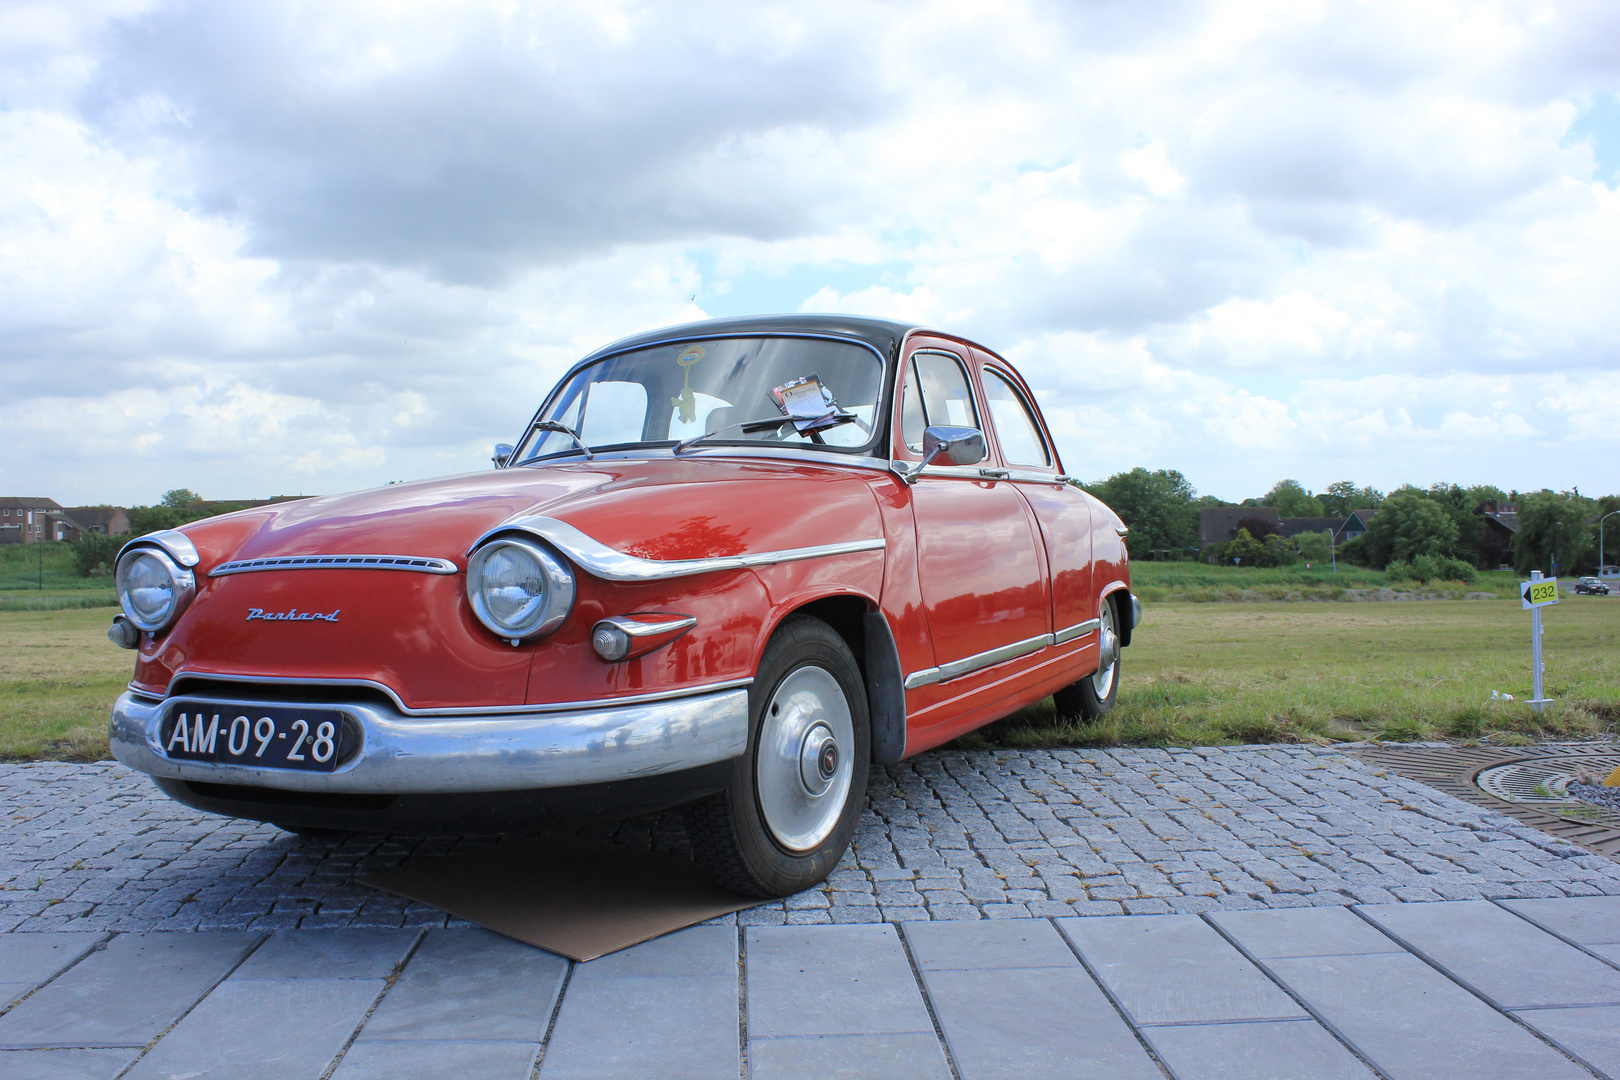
(685, 404)
(810, 404)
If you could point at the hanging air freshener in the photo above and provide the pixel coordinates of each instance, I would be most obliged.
(684, 402)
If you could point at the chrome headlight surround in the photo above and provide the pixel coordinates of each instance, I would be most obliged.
(536, 588)
(153, 589)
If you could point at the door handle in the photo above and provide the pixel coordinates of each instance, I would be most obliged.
(994, 474)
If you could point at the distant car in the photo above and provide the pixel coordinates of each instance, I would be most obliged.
(729, 565)
(1591, 586)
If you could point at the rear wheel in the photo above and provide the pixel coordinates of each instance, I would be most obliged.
(790, 809)
(1093, 696)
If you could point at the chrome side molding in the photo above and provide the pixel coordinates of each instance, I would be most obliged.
(955, 669)
(176, 543)
(599, 560)
(421, 563)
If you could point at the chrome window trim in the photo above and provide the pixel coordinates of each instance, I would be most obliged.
(864, 450)
(1031, 410)
(176, 543)
(710, 451)
(1001, 654)
(1027, 477)
(601, 561)
(420, 563)
(489, 710)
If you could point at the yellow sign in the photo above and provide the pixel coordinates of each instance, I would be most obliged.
(1539, 593)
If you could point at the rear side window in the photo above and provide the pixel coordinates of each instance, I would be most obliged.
(1020, 436)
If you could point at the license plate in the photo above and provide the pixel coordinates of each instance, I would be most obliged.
(264, 736)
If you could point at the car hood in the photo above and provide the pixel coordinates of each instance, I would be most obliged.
(654, 508)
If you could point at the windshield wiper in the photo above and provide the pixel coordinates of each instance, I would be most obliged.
(749, 427)
(563, 429)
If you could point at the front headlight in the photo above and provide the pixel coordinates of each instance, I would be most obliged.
(152, 589)
(519, 589)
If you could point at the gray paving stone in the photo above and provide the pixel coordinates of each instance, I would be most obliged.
(252, 1029)
(1585, 920)
(819, 1057)
(1273, 1050)
(1023, 943)
(1592, 1035)
(1016, 1023)
(27, 960)
(65, 1064)
(1317, 931)
(125, 994)
(831, 980)
(1176, 969)
(1507, 959)
(667, 1008)
(470, 984)
(1413, 1023)
(328, 954)
(424, 1059)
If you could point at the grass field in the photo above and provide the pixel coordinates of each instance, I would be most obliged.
(32, 567)
(1195, 582)
(1198, 674)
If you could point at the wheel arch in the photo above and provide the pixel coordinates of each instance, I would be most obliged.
(1119, 594)
(864, 629)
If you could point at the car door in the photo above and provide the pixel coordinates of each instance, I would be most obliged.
(980, 560)
(1062, 510)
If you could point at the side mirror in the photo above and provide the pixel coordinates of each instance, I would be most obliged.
(503, 454)
(953, 445)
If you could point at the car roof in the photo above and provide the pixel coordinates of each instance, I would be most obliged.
(881, 334)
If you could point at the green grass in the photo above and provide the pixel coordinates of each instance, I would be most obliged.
(58, 677)
(1201, 583)
(21, 569)
(1201, 674)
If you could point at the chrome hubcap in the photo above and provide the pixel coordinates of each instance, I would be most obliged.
(1107, 654)
(802, 769)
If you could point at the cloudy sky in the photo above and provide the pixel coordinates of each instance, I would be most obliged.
(285, 247)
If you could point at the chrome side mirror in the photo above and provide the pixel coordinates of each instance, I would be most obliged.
(503, 454)
(953, 445)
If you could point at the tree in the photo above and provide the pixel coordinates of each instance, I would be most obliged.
(1158, 507)
(1554, 524)
(1257, 527)
(1341, 498)
(1407, 525)
(1315, 547)
(1245, 548)
(1292, 500)
(178, 506)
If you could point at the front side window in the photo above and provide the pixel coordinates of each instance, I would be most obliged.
(666, 393)
(939, 384)
(1019, 435)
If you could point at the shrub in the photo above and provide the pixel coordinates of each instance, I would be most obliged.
(1425, 568)
(1399, 571)
(93, 554)
(1458, 570)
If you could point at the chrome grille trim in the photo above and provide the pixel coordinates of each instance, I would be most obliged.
(420, 563)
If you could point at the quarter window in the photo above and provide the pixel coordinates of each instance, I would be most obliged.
(1019, 435)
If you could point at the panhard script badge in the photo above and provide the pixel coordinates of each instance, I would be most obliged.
(290, 615)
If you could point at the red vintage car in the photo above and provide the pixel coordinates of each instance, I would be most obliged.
(729, 566)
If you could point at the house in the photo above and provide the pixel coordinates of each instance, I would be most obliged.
(1296, 526)
(1354, 525)
(1218, 524)
(24, 520)
(1496, 540)
(106, 520)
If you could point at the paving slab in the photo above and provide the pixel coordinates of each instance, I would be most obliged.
(427, 1059)
(1323, 931)
(255, 1029)
(470, 984)
(1592, 1035)
(27, 960)
(668, 1008)
(1012, 943)
(831, 980)
(1015, 1023)
(1169, 969)
(1585, 920)
(329, 954)
(1413, 1023)
(125, 994)
(1490, 949)
(847, 1057)
(65, 1064)
(1272, 1050)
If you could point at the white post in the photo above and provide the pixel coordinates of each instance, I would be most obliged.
(1537, 702)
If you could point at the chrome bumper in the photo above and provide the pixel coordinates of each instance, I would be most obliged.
(401, 754)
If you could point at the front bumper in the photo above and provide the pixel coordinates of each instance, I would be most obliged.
(400, 754)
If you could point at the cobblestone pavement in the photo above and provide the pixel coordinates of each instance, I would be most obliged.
(946, 836)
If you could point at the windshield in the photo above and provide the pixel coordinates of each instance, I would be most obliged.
(669, 393)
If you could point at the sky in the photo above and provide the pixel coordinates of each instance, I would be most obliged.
(293, 247)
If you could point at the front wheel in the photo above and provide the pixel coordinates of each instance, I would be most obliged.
(1093, 696)
(788, 813)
